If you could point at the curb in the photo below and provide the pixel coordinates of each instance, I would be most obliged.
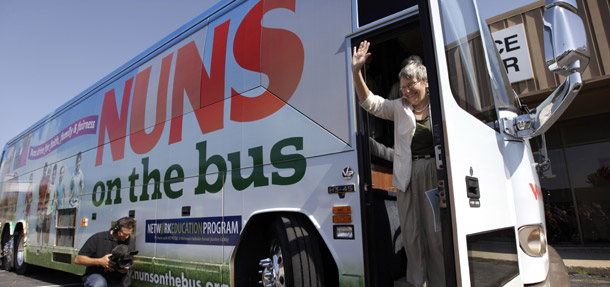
(588, 261)
(588, 270)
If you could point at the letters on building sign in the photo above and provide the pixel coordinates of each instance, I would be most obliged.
(512, 46)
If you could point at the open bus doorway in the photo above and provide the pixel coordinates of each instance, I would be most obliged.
(390, 47)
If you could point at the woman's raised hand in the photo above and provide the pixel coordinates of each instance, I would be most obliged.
(360, 55)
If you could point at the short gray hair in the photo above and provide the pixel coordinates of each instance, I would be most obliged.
(414, 69)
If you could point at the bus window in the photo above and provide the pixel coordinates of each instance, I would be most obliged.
(372, 10)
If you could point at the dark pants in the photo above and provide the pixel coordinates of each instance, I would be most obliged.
(98, 280)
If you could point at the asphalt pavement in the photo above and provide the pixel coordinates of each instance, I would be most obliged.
(42, 277)
(584, 280)
(39, 277)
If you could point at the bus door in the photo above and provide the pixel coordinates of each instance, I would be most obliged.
(473, 202)
(468, 91)
(392, 42)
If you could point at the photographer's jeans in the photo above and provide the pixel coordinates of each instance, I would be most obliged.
(97, 280)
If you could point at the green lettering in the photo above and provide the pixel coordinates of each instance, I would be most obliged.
(146, 177)
(295, 161)
(112, 184)
(257, 176)
(132, 184)
(168, 180)
(97, 185)
(203, 186)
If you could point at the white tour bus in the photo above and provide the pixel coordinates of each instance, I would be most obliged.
(238, 146)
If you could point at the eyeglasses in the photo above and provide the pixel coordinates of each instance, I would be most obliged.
(409, 86)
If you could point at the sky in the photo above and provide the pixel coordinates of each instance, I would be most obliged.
(50, 51)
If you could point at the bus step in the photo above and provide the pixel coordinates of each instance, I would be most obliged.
(402, 282)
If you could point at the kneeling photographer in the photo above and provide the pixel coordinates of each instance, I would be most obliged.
(108, 255)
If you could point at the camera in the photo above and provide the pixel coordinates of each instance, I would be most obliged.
(121, 258)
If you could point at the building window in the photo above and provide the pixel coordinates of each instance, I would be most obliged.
(589, 167)
(577, 195)
(561, 220)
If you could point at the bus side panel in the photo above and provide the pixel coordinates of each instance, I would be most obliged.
(315, 123)
(322, 92)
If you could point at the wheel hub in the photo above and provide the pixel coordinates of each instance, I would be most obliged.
(7, 253)
(273, 268)
(20, 255)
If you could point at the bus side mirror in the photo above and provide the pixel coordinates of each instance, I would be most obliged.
(566, 53)
(565, 41)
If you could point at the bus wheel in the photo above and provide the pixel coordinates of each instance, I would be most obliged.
(294, 255)
(8, 254)
(20, 266)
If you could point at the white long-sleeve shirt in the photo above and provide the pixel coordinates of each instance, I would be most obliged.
(400, 111)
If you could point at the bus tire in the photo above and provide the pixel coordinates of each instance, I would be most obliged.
(8, 249)
(19, 255)
(294, 258)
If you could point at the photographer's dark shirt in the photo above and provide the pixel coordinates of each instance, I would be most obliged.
(98, 246)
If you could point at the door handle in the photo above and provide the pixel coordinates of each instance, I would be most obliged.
(472, 191)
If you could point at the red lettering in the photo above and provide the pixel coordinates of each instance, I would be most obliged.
(205, 92)
(536, 190)
(142, 142)
(277, 53)
(113, 123)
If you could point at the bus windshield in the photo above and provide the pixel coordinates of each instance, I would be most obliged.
(478, 84)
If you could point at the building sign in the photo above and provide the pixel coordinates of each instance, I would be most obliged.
(512, 46)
